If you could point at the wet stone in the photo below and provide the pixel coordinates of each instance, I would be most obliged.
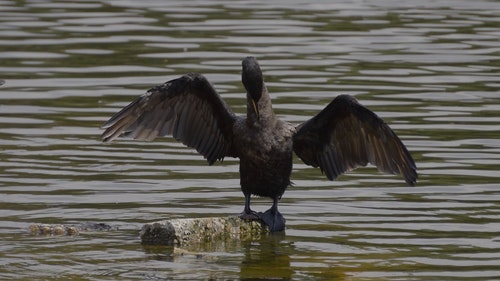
(180, 232)
(69, 230)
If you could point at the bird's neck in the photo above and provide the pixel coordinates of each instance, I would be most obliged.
(265, 108)
(266, 112)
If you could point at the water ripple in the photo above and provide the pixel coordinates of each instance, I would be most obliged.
(429, 70)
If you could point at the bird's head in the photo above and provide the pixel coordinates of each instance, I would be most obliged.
(253, 82)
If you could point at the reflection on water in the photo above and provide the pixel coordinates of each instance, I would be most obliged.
(429, 69)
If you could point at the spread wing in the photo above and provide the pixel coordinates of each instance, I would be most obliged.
(188, 108)
(345, 135)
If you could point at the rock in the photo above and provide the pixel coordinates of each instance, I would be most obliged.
(70, 230)
(180, 232)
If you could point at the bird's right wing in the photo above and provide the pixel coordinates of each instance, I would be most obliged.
(188, 108)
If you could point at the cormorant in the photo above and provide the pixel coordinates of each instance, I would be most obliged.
(340, 138)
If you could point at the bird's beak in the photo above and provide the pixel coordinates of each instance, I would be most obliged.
(255, 108)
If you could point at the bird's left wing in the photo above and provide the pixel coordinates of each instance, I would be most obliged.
(346, 135)
(188, 108)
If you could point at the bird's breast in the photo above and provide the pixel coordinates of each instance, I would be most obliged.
(263, 141)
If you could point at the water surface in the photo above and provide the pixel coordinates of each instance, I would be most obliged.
(429, 69)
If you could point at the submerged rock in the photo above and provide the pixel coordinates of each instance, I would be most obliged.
(70, 230)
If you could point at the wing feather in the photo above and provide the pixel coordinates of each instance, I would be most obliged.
(188, 108)
(346, 135)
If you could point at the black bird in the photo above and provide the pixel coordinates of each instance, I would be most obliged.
(340, 138)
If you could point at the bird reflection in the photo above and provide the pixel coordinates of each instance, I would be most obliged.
(267, 259)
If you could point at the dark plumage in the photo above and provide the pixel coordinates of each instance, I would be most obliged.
(342, 137)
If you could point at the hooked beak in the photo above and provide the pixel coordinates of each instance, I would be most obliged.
(255, 108)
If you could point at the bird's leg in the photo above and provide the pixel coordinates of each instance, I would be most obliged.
(273, 217)
(247, 213)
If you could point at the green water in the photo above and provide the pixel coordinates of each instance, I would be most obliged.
(430, 69)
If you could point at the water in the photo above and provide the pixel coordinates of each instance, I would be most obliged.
(430, 69)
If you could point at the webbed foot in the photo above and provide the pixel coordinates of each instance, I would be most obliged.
(274, 220)
(250, 215)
